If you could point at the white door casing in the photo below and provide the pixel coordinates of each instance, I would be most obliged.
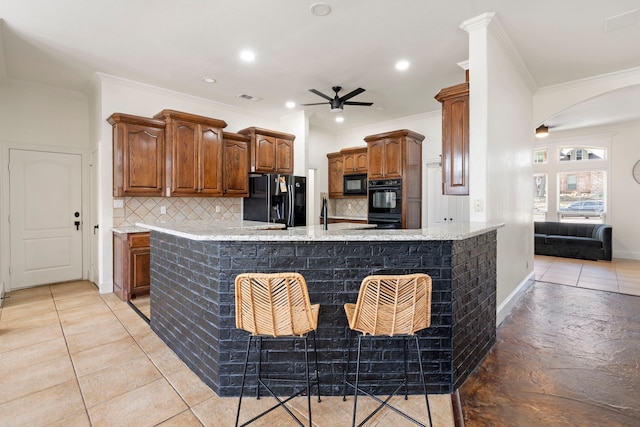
(45, 193)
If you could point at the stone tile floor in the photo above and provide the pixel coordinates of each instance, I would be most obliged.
(70, 356)
(567, 355)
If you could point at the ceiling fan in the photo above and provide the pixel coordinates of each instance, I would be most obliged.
(338, 102)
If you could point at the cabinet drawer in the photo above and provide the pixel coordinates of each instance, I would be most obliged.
(139, 240)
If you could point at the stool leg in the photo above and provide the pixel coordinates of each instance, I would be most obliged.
(405, 342)
(355, 393)
(306, 362)
(346, 369)
(244, 375)
(424, 385)
(315, 353)
(259, 369)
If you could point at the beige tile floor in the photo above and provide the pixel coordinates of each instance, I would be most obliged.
(72, 357)
(619, 275)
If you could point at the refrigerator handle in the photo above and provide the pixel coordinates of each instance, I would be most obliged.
(291, 200)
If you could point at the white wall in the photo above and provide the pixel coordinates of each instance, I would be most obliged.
(501, 143)
(41, 118)
(41, 115)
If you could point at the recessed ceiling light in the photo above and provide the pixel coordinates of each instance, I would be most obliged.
(339, 119)
(320, 9)
(402, 65)
(290, 104)
(208, 80)
(247, 55)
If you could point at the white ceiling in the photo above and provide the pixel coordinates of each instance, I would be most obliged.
(173, 44)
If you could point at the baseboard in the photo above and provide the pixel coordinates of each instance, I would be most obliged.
(514, 298)
(626, 255)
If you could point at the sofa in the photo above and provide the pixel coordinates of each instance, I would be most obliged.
(571, 240)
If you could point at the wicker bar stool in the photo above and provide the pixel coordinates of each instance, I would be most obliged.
(276, 305)
(389, 306)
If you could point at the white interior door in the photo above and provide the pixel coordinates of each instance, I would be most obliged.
(45, 204)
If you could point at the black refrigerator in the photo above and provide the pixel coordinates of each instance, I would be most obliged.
(277, 198)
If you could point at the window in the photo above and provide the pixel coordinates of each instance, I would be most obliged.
(540, 156)
(540, 205)
(581, 196)
(570, 178)
(568, 154)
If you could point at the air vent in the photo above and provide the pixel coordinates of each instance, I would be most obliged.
(249, 97)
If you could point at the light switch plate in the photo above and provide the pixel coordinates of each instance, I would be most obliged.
(118, 203)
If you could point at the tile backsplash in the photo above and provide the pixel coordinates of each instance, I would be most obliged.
(348, 207)
(137, 209)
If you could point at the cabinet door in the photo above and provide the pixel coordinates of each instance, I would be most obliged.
(455, 145)
(375, 158)
(355, 162)
(392, 164)
(284, 156)
(209, 161)
(236, 168)
(184, 157)
(138, 155)
(139, 270)
(361, 162)
(265, 155)
(336, 166)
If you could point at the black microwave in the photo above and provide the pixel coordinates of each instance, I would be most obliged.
(355, 185)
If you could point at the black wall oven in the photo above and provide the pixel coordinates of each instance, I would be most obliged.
(385, 203)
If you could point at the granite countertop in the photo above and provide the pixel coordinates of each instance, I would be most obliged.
(130, 229)
(261, 231)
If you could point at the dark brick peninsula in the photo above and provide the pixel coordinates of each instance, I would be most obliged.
(193, 268)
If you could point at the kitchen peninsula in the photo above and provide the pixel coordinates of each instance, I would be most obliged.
(194, 265)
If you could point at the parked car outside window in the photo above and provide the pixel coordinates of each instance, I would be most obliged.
(585, 208)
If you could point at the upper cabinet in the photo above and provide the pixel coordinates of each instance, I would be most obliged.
(336, 166)
(193, 153)
(271, 151)
(138, 155)
(235, 160)
(355, 160)
(389, 153)
(455, 139)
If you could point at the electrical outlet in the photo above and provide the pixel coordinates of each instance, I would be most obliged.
(163, 210)
(118, 203)
(477, 205)
(217, 208)
(349, 206)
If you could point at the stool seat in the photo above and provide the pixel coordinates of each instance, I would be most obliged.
(276, 305)
(390, 306)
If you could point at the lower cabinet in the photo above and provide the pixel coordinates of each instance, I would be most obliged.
(131, 257)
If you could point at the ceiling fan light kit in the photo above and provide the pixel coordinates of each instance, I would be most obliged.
(337, 103)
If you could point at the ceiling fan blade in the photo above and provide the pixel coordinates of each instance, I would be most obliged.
(316, 103)
(320, 94)
(351, 94)
(358, 103)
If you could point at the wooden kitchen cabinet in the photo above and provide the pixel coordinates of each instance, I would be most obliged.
(384, 156)
(355, 160)
(336, 166)
(235, 164)
(271, 151)
(193, 154)
(398, 154)
(455, 139)
(131, 264)
(138, 155)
